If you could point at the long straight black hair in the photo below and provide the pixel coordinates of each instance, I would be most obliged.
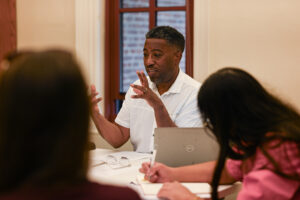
(44, 120)
(240, 112)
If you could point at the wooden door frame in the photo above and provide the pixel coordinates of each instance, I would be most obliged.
(8, 24)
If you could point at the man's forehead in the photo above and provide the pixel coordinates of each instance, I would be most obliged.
(156, 44)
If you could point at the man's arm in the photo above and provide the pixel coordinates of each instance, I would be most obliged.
(162, 116)
(143, 91)
(114, 134)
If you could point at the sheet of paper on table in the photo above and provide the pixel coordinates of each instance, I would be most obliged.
(201, 189)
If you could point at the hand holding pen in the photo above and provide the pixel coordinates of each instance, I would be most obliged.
(157, 172)
(151, 163)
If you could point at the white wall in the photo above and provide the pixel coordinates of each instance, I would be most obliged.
(260, 36)
(43, 23)
(75, 25)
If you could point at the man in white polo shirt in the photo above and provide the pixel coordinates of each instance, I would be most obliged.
(166, 98)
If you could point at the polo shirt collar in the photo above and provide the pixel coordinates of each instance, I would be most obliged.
(175, 87)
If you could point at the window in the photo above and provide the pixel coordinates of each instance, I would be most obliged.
(127, 22)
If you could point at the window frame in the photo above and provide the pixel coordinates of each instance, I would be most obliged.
(112, 47)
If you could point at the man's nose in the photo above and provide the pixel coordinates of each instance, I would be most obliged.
(149, 60)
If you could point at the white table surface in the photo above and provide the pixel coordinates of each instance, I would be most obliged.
(127, 176)
(122, 177)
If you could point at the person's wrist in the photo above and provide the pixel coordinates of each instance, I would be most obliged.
(158, 105)
(95, 114)
(174, 174)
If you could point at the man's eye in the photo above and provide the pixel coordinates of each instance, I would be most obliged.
(145, 55)
(157, 55)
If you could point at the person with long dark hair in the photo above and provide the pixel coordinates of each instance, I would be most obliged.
(44, 124)
(259, 138)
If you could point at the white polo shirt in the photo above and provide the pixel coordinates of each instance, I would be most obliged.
(180, 101)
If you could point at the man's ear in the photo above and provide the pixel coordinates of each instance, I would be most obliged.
(178, 55)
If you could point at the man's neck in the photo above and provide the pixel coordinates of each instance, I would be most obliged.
(164, 87)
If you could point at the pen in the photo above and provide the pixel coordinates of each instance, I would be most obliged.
(152, 161)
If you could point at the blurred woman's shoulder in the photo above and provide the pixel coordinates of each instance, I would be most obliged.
(87, 190)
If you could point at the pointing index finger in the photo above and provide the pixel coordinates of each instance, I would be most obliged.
(145, 80)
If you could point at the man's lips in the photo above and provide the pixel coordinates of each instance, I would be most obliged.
(151, 70)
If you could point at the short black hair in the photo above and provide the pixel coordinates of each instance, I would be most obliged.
(168, 33)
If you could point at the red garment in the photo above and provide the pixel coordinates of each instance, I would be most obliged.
(86, 191)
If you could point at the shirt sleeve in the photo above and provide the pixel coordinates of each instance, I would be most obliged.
(265, 184)
(123, 117)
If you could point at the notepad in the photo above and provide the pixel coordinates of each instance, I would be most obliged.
(150, 189)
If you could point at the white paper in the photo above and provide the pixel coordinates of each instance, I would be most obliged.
(131, 155)
(149, 188)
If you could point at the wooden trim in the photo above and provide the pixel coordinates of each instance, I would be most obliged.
(8, 24)
(109, 15)
(133, 10)
(112, 58)
(152, 19)
(152, 8)
(170, 8)
(190, 38)
(116, 56)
